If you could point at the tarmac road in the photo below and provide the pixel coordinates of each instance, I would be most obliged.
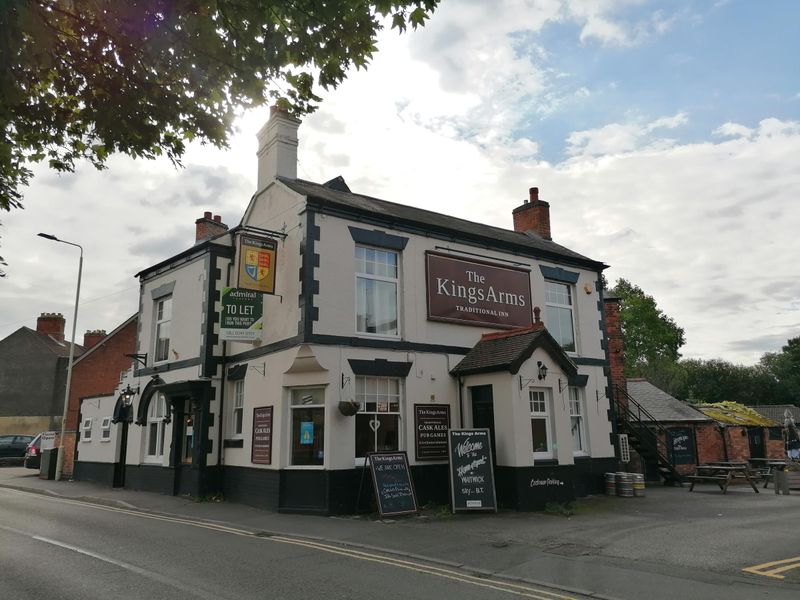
(670, 544)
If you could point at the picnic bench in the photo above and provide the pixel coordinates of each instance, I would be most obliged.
(764, 468)
(722, 474)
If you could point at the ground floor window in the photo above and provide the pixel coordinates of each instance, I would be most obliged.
(541, 427)
(308, 426)
(86, 429)
(577, 422)
(156, 426)
(238, 409)
(378, 419)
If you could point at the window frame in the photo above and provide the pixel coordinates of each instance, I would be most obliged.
(547, 417)
(363, 274)
(86, 429)
(105, 428)
(158, 322)
(159, 420)
(578, 401)
(237, 406)
(362, 399)
(572, 307)
(317, 404)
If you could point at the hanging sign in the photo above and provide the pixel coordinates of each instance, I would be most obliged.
(257, 263)
(392, 480)
(471, 475)
(431, 422)
(242, 315)
(261, 453)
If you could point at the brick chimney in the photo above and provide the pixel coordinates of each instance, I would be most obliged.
(52, 324)
(277, 147)
(92, 338)
(533, 215)
(207, 227)
(616, 350)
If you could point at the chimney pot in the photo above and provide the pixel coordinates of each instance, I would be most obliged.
(533, 193)
(52, 324)
(93, 337)
(533, 215)
(217, 219)
(207, 227)
(207, 214)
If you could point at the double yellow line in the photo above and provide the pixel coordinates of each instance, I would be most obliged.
(516, 589)
(775, 568)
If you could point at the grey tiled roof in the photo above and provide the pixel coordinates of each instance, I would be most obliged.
(422, 219)
(660, 404)
(56, 347)
(776, 411)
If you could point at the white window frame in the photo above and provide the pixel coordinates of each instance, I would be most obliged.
(301, 392)
(237, 406)
(577, 410)
(157, 417)
(105, 429)
(159, 320)
(543, 400)
(558, 305)
(363, 274)
(388, 398)
(86, 429)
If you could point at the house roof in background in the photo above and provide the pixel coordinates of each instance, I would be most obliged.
(776, 411)
(52, 344)
(661, 405)
(733, 413)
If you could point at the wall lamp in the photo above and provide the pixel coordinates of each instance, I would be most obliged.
(542, 372)
(128, 395)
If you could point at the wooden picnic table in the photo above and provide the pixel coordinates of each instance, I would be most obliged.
(722, 474)
(766, 467)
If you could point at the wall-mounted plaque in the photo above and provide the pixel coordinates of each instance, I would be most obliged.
(261, 453)
(431, 422)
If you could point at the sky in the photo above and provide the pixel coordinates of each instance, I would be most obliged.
(664, 134)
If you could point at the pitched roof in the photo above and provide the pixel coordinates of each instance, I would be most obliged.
(507, 350)
(333, 194)
(733, 413)
(52, 344)
(660, 404)
(109, 336)
(776, 412)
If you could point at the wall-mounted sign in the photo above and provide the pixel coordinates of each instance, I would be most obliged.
(261, 448)
(48, 440)
(257, 263)
(431, 422)
(471, 473)
(681, 446)
(477, 293)
(392, 480)
(242, 315)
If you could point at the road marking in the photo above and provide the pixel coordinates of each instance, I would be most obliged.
(507, 587)
(780, 566)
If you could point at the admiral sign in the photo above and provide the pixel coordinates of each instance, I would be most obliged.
(257, 264)
(477, 293)
(242, 315)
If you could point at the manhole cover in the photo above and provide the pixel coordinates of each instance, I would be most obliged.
(573, 550)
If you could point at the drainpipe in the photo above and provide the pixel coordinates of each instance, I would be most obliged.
(220, 456)
(461, 401)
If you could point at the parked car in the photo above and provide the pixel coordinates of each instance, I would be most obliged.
(12, 448)
(33, 453)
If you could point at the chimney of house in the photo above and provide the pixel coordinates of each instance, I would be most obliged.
(616, 350)
(52, 324)
(207, 227)
(533, 215)
(92, 338)
(277, 147)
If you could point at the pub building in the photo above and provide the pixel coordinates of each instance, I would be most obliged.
(274, 355)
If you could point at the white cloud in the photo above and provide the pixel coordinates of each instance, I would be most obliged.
(617, 138)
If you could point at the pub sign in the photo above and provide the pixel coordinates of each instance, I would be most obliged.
(257, 264)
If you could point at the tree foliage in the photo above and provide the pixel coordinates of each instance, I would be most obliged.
(82, 79)
(651, 338)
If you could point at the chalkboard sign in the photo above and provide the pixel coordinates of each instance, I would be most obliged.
(681, 446)
(392, 481)
(431, 422)
(471, 475)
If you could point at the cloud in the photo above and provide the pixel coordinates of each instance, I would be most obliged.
(616, 138)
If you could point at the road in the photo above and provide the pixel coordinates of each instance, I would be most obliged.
(58, 548)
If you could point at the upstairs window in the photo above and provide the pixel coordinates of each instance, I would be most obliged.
(377, 278)
(163, 319)
(559, 314)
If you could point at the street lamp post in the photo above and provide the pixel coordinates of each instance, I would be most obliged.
(60, 457)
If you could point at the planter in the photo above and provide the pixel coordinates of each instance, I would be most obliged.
(348, 408)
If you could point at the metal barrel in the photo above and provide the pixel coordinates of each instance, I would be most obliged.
(611, 484)
(625, 485)
(638, 485)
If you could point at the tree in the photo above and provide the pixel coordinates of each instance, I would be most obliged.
(651, 338)
(718, 380)
(82, 79)
(784, 368)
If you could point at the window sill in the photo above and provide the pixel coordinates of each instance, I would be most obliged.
(233, 443)
(378, 336)
(581, 456)
(305, 468)
(544, 461)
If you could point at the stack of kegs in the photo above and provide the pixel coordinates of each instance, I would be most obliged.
(638, 485)
(611, 484)
(625, 485)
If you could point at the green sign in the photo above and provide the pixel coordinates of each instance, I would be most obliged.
(242, 312)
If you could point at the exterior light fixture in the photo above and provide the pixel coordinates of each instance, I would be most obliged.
(128, 395)
(542, 370)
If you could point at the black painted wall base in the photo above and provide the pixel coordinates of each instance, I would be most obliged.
(94, 471)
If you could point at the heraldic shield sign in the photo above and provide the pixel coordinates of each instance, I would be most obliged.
(257, 264)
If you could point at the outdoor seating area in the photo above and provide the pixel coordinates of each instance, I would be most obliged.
(752, 472)
(723, 474)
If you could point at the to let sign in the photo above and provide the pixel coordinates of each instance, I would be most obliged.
(261, 453)
(431, 422)
(471, 474)
(477, 293)
(242, 315)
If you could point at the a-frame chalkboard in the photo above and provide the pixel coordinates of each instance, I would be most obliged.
(471, 474)
(391, 478)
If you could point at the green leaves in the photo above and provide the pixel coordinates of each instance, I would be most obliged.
(82, 80)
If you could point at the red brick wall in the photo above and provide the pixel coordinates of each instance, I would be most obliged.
(709, 443)
(616, 351)
(775, 448)
(738, 444)
(97, 374)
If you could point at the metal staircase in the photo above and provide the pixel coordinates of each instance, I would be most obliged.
(646, 435)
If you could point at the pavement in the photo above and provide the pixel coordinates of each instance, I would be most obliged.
(671, 543)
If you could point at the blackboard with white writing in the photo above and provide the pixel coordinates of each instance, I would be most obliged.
(681, 446)
(391, 477)
(471, 475)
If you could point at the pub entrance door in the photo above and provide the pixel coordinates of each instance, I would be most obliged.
(483, 412)
(757, 445)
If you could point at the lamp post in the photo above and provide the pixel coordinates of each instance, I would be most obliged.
(60, 457)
